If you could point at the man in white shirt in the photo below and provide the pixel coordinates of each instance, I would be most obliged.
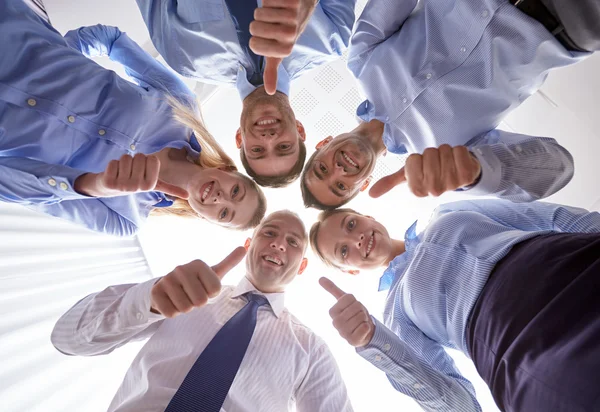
(183, 314)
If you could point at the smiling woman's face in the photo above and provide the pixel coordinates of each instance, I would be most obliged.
(353, 241)
(223, 197)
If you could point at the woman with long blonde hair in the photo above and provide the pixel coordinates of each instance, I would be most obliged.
(79, 142)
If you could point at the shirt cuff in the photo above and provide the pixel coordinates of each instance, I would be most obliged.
(137, 302)
(381, 345)
(61, 183)
(491, 172)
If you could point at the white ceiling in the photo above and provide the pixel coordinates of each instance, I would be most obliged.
(324, 100)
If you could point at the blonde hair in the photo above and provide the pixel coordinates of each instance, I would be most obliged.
(212, 156)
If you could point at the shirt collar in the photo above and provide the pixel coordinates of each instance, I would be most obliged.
(396, 267)
(244, 87)
(276, 300)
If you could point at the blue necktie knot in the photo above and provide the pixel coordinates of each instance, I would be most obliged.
(260, 300)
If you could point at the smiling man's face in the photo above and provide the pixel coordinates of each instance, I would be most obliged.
(269, 134)
(276, 253)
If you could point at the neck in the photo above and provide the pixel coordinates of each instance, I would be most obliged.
(398, 248)
(175, 167)
(372, 132)
(264, 289)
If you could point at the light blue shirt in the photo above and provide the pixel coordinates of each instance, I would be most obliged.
(434, 285)
(449, 71)
(197, 38)
(62, 115)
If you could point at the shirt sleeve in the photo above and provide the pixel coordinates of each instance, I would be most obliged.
(104, 321)
(322, 389)
(147, 72)
(435, 384)
(518, 167)
(91, 213)
(341, 15)
(531, 217)
(29, 181)
(379, 20)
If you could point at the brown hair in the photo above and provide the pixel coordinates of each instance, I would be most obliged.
(280, 180)
(309, 199)
(314, 232)
(212, 156)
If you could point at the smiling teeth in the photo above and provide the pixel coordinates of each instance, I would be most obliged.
(349, 160)
(206, 192)
(266, 122)
(370, 245)
(273, 260)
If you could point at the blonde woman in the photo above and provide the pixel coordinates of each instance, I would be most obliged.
(513, 286)
(81, 143)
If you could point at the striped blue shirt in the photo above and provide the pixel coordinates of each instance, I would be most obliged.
(449, 71)
(63, 115)
(434, 285)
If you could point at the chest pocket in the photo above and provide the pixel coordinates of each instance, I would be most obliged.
(200, 11)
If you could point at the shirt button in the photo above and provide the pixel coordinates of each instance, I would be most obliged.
(377, 358)
(132, 147)
(101, 132)
(428, 76)
(518, 148)
(484, 14)
(386, 347)
(417, 386)
(63, 186)
(71, 119)
(31, 102)
(463, 49)
(139, 316)
(404, 100)
(52, 182)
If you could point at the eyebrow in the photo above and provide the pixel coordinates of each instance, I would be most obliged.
(319, 176)
(273, 226)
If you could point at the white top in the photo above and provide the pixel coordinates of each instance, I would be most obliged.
(285, 364)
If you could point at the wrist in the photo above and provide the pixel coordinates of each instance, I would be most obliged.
(85, 184)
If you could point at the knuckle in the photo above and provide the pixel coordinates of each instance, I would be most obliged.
(429, 151)
(331, 313)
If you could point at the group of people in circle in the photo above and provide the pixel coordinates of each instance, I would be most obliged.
(508, 281)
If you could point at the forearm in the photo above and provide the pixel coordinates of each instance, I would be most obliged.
(33, 182)
(104, 321)
(431, 389)
(521, 168)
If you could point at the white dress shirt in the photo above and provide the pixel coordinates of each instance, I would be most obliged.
(285, 364)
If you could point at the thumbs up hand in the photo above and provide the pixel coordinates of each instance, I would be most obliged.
(436, 171)
(275, 29)
(191, 285)
(350, 317)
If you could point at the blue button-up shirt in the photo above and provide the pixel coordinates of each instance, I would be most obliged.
(434, 285)
(62, 115)
(448, 72)
(198, 39)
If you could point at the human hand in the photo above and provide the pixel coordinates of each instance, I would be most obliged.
(350, 317)
(190, 286)
(436, 171)
(125, 176)
(275, 29)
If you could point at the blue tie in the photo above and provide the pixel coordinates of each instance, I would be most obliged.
(206, 385)
(242, 14)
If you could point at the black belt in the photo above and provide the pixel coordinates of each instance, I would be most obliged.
(538, 11)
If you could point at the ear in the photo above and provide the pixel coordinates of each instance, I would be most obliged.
(238, 138)
(366, 184)
(303, 265)
(301, 131)
(247, 243)
(352, 272)
(324, 142)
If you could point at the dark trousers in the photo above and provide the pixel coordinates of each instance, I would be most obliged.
(534, 332)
